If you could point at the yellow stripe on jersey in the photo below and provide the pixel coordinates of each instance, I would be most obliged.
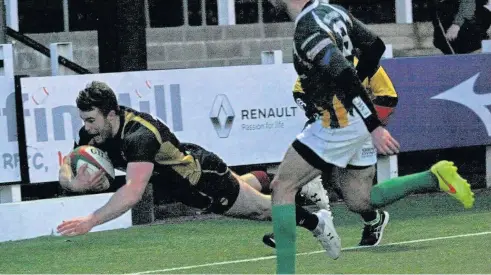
(132, 117)
(297, 88)
(168, 154)
(186, 166)
(340, 111)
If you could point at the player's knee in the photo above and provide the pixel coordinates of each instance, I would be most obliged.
(260, 210)
(253, 210)
(377, 197)
(281, 187)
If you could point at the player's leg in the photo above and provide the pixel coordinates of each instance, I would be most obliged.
(366, 197)
(249, 203)
(375, 221)
(356, 184)
(441, 176)
(231, 196)
(294, 172)
(315, 192)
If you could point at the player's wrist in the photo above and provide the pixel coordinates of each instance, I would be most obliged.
(372, 123)
(93, 220)
(367, 113)
(65, 181)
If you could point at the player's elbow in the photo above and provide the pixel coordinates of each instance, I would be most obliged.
(374, 51)
(379, 46)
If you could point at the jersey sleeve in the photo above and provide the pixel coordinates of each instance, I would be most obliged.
(141, 146)
(371, 49)
(385, 95)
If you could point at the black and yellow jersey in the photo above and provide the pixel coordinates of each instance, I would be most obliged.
(323, 55)
(379, 86)
(142, 138)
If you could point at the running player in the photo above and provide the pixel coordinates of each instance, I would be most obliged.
(324, 38)
(384, 97)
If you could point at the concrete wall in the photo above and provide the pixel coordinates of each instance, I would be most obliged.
(190, 47)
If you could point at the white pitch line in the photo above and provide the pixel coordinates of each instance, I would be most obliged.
(310, 253)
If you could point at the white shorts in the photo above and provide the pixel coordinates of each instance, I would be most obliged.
(351, 145)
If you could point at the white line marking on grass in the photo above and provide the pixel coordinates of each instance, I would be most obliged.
(310, 253)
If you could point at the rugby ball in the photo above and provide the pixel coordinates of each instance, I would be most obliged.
(95, 159)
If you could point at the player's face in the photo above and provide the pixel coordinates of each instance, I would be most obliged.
(97, 125)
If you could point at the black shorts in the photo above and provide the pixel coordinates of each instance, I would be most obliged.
(217, 189)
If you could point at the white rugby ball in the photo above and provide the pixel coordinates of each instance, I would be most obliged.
(95, 159)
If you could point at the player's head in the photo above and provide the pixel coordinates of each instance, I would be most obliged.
(98, 109)
(292, 7)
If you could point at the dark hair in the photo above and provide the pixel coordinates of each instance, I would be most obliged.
(97, 95)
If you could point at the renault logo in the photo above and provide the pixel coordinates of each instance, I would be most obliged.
(222, 109)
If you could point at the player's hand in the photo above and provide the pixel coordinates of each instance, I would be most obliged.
(86, 181)
(65, 173)
(452, 32)
(489, 32)
(384, 142)
(77, 226)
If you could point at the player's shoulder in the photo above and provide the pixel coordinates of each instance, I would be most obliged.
(305, 19)
(140, 124)
(305, 26)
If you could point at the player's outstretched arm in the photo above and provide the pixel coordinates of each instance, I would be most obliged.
(137, 176)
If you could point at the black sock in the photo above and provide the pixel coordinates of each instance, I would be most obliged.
(370, 216)
(306, 219)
